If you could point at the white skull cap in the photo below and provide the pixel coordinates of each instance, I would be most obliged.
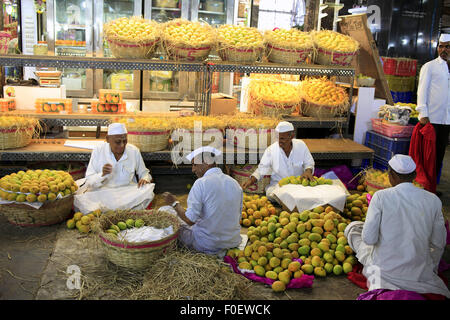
(402, 164)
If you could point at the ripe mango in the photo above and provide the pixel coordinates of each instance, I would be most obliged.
(85, 220)
(278, 253)
(259, 270)
(340, 256)
(70, 224)
(328, 267)
(316, 252)
(337, 269)
(304, 216)
(304, 250)
(316, 261)
(271, 227)
(329, 225)
(318, 230)
(272, 275)
(262, 261)
(314, 215)
(278, 286)
(323, 246)
(139, 223)
(274, 262)
(293, 246)
(294, 266)
(328, 257)
(347, 267)
(278, 270)
(130, 223)
(342, 240)
(245, 265)
(331, 238)
(319, 209)
(307, 268)
(317, 222)
(298, 274)
(320, 272)
(285, 263)
(348, 250)
(113, 226)
(112, 231)
(304, 242)
(300, 228)
(291, 226)
(315, 237)
(284, 277)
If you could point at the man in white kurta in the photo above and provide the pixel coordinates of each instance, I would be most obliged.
(284, 158)
(110, 182)
(433, 97)
(210, 224)
(403, 238)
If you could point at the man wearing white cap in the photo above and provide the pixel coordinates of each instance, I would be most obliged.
(284, 158)
(111, 176)
(433, 97)
(403, 238)
(210, 224)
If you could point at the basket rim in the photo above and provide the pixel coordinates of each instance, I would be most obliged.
(150, 244)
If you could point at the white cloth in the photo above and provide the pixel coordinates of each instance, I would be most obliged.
(307, 198)
(117, 190)
(275, 163)
(433, 93)
(445, 37)
(284, 126)
(404, 236)
(116, 128)
(402, 164)
(144, 234)
(215, 206)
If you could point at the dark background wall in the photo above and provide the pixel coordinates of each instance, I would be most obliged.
(403, 28)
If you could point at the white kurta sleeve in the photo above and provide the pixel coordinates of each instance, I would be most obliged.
(94, 171)
(141, 169)
(265, 165)
(308, 160)
(371, 229)
(423, 91)
(438, 239)
(195, 202)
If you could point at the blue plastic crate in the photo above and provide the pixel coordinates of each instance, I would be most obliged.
(405, 97)
(378, 163)
(392, 145)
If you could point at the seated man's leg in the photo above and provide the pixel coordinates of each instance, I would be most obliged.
(353, 233)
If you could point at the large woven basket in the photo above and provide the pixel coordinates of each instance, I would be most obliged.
(137, 255)
(373, 186)
(319, 111)
(237, 54)
(287, 56)
(273, 110)
(125, 49)
(216, 144)
(186, 52)
(149, 141)
(326, 57)
(51, 212)
(242, 172)
(245, 143)
(15, 138)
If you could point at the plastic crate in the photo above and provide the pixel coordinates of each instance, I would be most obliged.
(405, 97)
(378, 163)
(391, 130)
(397, 145)
(399, 66)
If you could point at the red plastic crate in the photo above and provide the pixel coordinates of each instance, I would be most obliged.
(399, 66)
(391, 130)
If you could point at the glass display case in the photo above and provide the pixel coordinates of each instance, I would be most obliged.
(128, 81)
(70, 31)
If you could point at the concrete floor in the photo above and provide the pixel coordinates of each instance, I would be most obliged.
(33, 261)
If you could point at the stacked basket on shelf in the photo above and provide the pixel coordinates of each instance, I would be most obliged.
(251, 132)
(334, 48)
(288, 46)
(322, 98)
(16, 132)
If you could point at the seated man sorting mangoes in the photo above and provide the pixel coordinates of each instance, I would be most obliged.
(284, 158)
(111, 176)
(403, 238)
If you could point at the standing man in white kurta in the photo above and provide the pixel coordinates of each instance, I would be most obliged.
(403, 238)
(433, 97)
(284, 158)
(111, 182)
(210, 224)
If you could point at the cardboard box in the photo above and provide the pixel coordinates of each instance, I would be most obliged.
(223, 104)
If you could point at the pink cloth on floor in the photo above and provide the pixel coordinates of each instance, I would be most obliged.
(385, 294)
(305, 281)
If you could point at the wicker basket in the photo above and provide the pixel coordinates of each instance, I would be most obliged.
(246, 143)
(216, 144)
(127, 49)
(149, 141)
(51, 212)
(137, 255)
(373, 186)
(320, 111)
(185, 52)
(271, 110)
(15, 138)
(237, 54)
(287, 56)
(242, 172)
(79, 172)
(326, 57)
